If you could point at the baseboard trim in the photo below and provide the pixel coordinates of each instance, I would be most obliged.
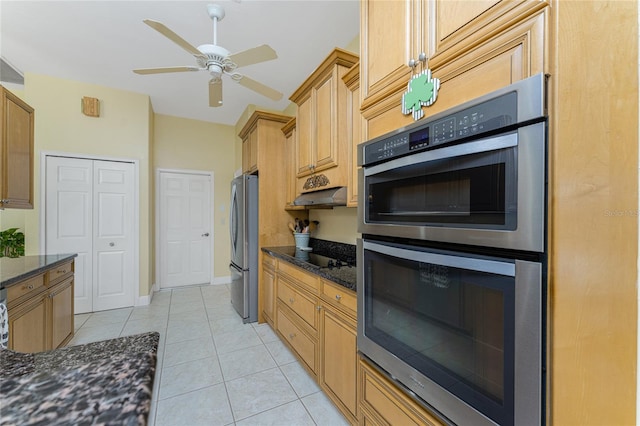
(146, 300)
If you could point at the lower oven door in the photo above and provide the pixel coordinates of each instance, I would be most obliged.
(462, 331)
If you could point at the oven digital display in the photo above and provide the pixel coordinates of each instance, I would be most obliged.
(419, 139)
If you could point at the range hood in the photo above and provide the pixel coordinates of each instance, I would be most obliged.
(324, 198)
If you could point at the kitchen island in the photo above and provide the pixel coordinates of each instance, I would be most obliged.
(107, 382)
(39, 293)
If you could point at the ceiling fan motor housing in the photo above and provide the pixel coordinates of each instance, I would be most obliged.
(215, 59)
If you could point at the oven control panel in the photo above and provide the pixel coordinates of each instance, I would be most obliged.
(475, 120)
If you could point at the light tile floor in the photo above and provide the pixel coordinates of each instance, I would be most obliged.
(213, 369)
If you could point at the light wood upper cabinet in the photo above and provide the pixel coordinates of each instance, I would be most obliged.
(250, 152)
(391, 33)
(16, 152)
(321, 122)
(356, 123)
(290, 132)
(473, 48)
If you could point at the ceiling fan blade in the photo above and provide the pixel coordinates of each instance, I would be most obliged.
(254, 55)
(215, 93)
(260, 88)
(165, 31)
(164, 70)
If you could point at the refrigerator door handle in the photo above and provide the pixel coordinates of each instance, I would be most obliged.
(236, 273)
(233, 220)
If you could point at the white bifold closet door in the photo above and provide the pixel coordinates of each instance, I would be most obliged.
(89, 211)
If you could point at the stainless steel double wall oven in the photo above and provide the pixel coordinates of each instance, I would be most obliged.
(451, 281)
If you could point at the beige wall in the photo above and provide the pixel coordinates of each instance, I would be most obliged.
(186, 144)
(122, 131)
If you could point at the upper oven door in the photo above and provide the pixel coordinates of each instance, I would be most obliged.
(486, 192)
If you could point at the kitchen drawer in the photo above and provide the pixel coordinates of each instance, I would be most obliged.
(380, 396)
(58, 272)
(17, 291)
(269, 261)
(303, 345)
(299, 303)
(305, 279)
(339, 296)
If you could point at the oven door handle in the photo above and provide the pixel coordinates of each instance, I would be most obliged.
(470, 263)
(493, 143)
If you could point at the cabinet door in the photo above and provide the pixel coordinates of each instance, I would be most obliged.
(338, 359)
(27, 324)
(326, 146)
(246, 156)
(379, 396)
(457, 25)
(61, 312)
(17, 153)
(356, 124)
(391, 35)
(268, 286)
(304, 134)
(253, 150)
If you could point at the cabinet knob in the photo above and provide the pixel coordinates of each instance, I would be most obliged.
(291, 300)
(338, 297)
(112, 244)
(30, 286)
(292, 335)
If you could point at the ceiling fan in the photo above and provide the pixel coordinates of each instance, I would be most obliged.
(217, 60)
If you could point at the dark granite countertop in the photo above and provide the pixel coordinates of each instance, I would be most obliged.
(107, 382)
(13, 270)
(345, 276)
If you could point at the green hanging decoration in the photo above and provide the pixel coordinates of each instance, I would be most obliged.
(422, 91)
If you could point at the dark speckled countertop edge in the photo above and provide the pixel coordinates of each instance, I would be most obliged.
(33, 265)
(347, 280)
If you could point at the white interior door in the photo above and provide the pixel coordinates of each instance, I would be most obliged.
(69, 221)
(113, 272)
(185, 229)
(89, 210)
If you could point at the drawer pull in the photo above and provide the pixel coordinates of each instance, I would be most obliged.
(30, 286)
(292, 335)
(62, 271)
(291, 300)
(338, 297)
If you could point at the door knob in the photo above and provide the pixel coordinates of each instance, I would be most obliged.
(206, 234)
(112, 244)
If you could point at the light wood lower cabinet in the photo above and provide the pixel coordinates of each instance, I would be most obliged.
(41, 310)
(317, 320)
(268, 288)
(382, 403)
(338, 350)
(27, 325)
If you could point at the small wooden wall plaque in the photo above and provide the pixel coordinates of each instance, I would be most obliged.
(91, 106)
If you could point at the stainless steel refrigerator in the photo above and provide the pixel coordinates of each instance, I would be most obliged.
(244, 246)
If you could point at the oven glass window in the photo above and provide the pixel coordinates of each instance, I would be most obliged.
(455, 326)
(478, 189)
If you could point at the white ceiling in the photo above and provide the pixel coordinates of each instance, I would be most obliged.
(101, 42)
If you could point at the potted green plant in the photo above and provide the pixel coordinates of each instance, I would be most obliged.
(11, 243)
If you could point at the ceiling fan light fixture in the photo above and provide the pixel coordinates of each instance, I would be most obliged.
(215, 70)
